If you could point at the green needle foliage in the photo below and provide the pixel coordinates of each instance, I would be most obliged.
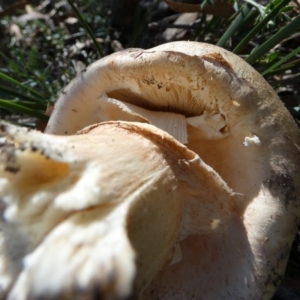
(260, 26)
(283, 33)
(23, 109)
(279, 63)
(20, 85)
(86, 27)
(240, 18)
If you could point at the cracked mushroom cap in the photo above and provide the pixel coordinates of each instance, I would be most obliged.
(220, 109)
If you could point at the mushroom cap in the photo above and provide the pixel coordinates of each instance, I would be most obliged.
(258, 160)
(230, 110)
(224, 111)
(102, 210)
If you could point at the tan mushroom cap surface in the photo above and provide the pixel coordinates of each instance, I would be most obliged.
(231, 169)
(99, 211)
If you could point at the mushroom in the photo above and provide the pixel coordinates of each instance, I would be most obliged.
(183, 185)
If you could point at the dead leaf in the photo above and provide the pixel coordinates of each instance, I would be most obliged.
(15, 30)
(31, 16)
(178, 33)
(49, 109)
(220, 8)
(12, 8)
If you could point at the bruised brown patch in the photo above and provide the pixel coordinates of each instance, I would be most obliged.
(50, 107)
(218, 58)
(36, 170)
